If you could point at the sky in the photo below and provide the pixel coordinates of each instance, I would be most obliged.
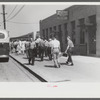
(22, 19)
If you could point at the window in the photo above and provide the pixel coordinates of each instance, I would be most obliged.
(60, 33)
(66, 32)
(50, 29)
(54, 28)
(2, 36)
(73, 31)
(47, 34)
(82, 33)
(43, 33)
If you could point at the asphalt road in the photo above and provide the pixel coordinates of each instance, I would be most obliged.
(13, 72)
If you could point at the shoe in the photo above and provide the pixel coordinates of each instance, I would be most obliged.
(66, 62)
(71, 64)
(55, 66)
(59, 65)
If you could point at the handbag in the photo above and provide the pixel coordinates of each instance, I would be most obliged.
(64, 54)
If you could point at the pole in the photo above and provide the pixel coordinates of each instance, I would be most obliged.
(4, 21)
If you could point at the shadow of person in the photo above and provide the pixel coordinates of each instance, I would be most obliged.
(26, 63)
(63, 64)
(50, 66)
(25, 58)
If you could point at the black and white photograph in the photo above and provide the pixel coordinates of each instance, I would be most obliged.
(46, 43)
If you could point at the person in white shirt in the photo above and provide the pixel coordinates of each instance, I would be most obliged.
(23, 47)
(46, 47)
(55, 52)
(37, 41)
(41, 48)
(49, 49)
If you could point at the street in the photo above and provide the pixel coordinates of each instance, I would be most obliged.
(12, 72)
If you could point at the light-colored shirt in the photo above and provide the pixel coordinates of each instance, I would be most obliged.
(32, 45)
(46, 43)
(70, 44)
(38, 40)
(50, 44)
(55, 43)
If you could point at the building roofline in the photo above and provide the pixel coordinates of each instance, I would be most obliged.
(55, 13)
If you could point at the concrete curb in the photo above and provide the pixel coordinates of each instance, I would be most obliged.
(33, 73)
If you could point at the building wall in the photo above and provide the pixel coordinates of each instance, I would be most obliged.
(98, 31)
(75, 13)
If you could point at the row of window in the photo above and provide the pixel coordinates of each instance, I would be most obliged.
(47, 32)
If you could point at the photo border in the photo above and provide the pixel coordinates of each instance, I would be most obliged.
(92, 88)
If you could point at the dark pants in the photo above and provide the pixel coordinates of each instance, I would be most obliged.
(31, 56)
(41, 52)
(15, 48)
(49, 53)
(46, 51)
(36, 52)
(69, 52)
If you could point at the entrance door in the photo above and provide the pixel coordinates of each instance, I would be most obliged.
(92, 34)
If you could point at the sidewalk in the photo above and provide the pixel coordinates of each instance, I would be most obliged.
(85, 69)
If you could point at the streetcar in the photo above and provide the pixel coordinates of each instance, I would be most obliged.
(4, 45)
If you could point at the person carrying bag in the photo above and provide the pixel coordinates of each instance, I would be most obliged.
(69, 51)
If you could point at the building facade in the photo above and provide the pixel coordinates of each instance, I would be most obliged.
(37, 34)
(82, 24)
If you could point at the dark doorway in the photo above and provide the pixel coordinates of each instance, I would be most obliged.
(92, 34)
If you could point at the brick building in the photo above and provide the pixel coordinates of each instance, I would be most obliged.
(82, 24)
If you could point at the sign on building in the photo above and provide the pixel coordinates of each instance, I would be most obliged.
(61, 14)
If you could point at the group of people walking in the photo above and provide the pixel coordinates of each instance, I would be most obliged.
(17, 46)
(41, 47)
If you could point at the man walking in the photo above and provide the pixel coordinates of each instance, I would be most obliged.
(37, 46)
(69, 51)
(32, 52)
(55, 51)
(27, 44)
(41, 49)
(49, 49)
(46, 47)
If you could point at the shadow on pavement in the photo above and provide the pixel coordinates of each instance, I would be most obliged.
(63, 63)
(26, 63)
(46, 59)
(25, 58)
(38, 60)
(51, 66)
(63, 81)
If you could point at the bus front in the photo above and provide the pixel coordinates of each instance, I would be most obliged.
(4, 45)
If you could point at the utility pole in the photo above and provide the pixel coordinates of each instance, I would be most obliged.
(4, 21)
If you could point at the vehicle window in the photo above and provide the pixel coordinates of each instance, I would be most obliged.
(2, 36)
